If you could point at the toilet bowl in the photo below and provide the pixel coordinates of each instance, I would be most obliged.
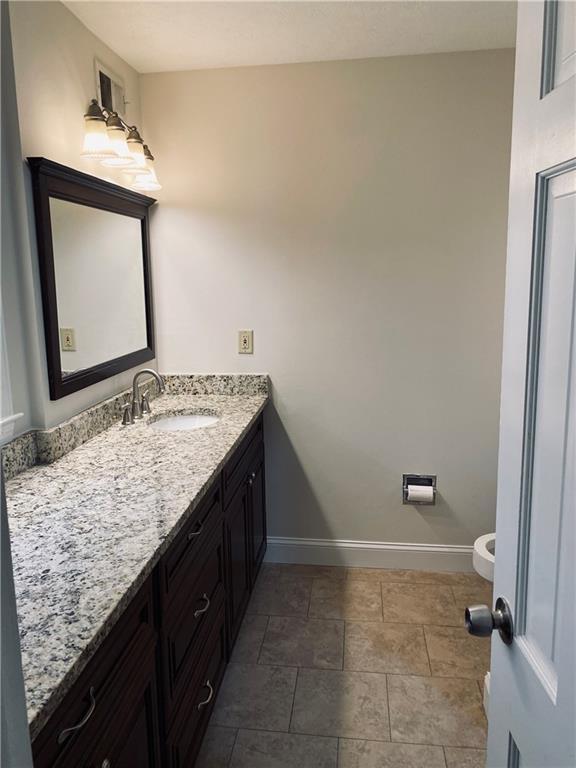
(483, 555)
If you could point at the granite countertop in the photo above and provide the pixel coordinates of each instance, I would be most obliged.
(88, 529)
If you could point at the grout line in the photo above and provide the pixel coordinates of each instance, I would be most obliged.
(229, 763)
(443, 747)
(445, 758)
(310, 598)
(389, 710)
(427, 649)
(293, 700)
(262, 641)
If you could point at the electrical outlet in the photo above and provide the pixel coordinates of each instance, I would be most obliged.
(245, 342)
(67, 340)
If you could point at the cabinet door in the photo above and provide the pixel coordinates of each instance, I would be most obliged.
(257, 507)
(136, 741)
(238, 577)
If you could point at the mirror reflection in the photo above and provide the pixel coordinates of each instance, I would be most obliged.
(100, 290)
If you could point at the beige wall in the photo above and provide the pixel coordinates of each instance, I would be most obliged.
(354, 215)
(55, 80)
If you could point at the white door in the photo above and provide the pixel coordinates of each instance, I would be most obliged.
(532, 713)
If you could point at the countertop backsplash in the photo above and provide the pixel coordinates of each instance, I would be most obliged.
(47, 445)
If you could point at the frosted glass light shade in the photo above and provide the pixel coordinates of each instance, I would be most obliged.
(96, 141)
(147, 181)
(136, 148)
(122, 155)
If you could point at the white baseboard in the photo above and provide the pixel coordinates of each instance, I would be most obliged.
(369, 554)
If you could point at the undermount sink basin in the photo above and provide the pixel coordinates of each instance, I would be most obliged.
(184, 421)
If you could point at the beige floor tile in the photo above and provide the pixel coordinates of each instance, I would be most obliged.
(419, 604)
(479, 594)
(458, 757)
(314, 571)
(398, 576)
(276, 595)
(217, 747)
(433, 710)
(379, 754)
(379, 647)
(347, 704)
(455, 653)
(261, 749)
(336, 599)
(255, 696)
(299, 642)
(249, 640)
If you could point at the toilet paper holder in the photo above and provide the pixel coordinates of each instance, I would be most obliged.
(424, 480)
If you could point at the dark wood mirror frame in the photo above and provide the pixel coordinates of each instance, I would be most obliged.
(51, 179)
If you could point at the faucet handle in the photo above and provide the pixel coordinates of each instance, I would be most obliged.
(145, 403)
(127, 414)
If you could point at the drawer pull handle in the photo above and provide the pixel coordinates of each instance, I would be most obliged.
(208, 685)
(200, 611)
(197, 532)
(63, 735)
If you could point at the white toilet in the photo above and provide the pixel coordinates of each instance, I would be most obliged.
(484, 554)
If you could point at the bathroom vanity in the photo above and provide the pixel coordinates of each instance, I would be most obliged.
(130, 601)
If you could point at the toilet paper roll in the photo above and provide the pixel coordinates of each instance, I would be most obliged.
(421, 493)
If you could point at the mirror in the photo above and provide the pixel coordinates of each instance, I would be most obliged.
(94, 262)
(99, 275)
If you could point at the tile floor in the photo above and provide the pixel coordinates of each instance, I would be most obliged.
(353, 668)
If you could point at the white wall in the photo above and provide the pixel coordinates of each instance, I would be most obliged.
(55, 80)
(15, 749)
(354, 215)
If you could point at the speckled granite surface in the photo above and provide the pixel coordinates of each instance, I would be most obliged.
(87, 529)
(19, 454)
(48, 445)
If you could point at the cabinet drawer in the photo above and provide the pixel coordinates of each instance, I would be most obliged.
(185, 736)
(101, 688)
(185, 553)
(236, 469)
(189, 620)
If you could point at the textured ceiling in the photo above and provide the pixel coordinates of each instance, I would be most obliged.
(172, 36)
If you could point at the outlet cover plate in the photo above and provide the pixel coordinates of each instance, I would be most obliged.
(67, 340)
(245, 342)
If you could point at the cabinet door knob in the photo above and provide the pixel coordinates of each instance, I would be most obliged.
(63, 735)
(200, 611)
(207, 700)
(197, 532)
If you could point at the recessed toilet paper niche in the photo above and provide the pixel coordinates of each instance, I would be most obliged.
(418, 489)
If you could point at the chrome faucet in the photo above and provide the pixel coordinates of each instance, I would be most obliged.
(139, 407)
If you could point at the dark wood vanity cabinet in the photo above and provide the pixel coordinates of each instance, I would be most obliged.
(146, 696)
(112, 710)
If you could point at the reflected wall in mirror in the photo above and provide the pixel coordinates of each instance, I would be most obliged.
(95, 272)
(99, 273)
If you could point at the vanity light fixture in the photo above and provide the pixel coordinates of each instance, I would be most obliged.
(105, 139)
